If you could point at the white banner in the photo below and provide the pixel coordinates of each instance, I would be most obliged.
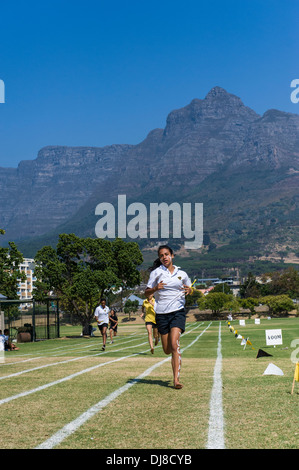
(273, 337)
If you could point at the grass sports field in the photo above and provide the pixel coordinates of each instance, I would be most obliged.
(68, 394)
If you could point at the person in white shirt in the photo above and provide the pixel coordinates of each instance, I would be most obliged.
(101, 314)
(2, 341)
(170, 285)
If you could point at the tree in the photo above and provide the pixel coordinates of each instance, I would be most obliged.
(82, 270)
(278, 304)
(250, 288)
(233, 305)
(193, 298)
(223, 287)
(215, 301)
(131, 306)
(10, 275)
(284, 282)
(127, 256)
(250, 303)
(10, 272)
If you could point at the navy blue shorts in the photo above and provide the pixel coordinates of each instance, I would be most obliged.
(166, 321)
(151, 323)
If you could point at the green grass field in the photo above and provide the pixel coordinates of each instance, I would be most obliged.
(68, 394)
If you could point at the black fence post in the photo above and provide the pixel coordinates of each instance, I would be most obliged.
(57, 319)
(33, 322)
(48, 319)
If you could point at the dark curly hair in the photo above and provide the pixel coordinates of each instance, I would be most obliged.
(157, 261)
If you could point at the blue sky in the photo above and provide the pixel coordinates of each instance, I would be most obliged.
(96, 73)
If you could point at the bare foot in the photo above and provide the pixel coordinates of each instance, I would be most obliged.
(152, 350)
(178, 386)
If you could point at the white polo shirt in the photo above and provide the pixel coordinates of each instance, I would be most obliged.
(172, 297)
(102, 314)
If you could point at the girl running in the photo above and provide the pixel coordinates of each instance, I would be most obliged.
(102, 317)
(113, 322)
(170, 285)
(149, 315)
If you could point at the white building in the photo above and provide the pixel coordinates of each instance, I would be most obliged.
(25, 288)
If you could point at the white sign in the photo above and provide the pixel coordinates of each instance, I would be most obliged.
(273, 337)
(242, 322)
(257, 321)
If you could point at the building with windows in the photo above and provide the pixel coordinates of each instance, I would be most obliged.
(25, 288)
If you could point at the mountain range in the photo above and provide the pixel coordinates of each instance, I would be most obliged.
(243, 167)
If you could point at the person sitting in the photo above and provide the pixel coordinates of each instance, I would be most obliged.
(9, 346)
(2, 341)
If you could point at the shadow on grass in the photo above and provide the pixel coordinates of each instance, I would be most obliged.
(161, 383)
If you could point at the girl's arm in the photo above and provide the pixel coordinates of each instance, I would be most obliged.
(151, 290)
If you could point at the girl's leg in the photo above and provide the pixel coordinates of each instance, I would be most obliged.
(150, 337)
(175, 334)
(171, 345)
(104, 334)
(165, 343)
(156, 335)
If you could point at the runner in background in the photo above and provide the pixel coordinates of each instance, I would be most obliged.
(113, 322)
(149, 316)
(101, 314)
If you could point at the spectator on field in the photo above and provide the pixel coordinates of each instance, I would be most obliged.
(2, 341)
(9, 346)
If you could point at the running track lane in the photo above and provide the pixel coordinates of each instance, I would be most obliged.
(216, 421)
(15, 374)
(84, 371)
(71, 427)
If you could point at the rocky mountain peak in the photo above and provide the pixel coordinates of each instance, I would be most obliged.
(216, 92)
(217, 105)
(214, 150)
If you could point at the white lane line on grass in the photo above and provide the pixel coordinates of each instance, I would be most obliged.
(95, 343)
(66, 348)
(49, 348)
(71, 427)
(20, 362)
(64, 379)
(16, 374)
(216, 421)
(65, 362)
(64, 353)
(69, 377)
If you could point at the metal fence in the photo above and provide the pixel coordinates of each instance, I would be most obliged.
(40, 319)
